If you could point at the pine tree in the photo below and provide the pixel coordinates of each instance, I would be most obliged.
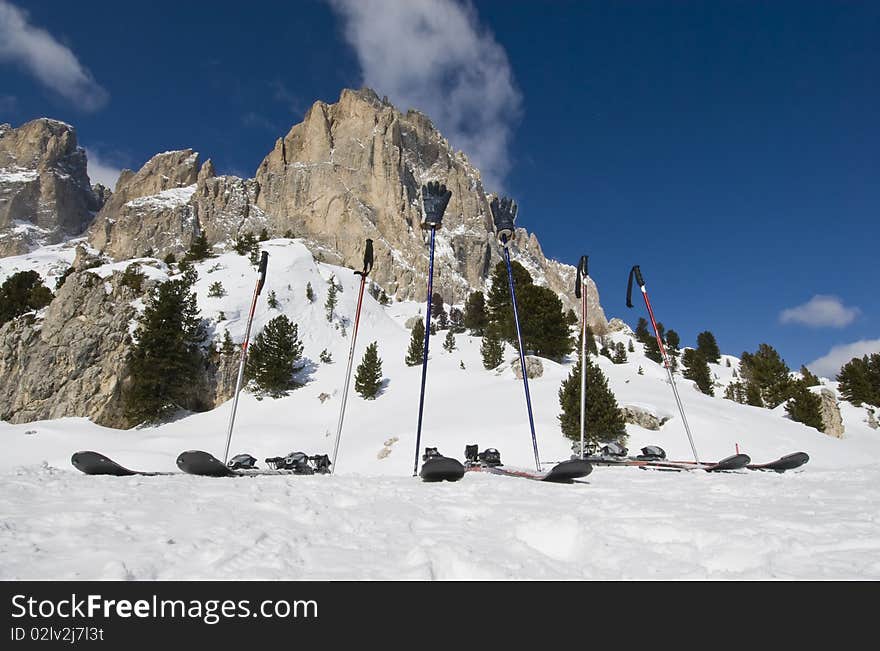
(199, 249)
(619, 353)
(264, 235)
(804, 406)
(860, 380)
(604, 419)
(441, 320)
(133, 277)
(272, 300)
(673, 341)
(310, 294)
(542, 320)
(245, 244)
(809, 379)
(216, 290)
(498, 303)
(166, 358)
(708, 347)
(456, 320)
(736, 391)
(416, 344)
(591, 342)
(169, 259)
(571, 318)
(652, 350)
(22, 292)
(368, 377)
(228, 346)
(383, 298)
(288, 234)
(325, 357)
(492, 348)
(476, 318)
(629, 346)
(449, 342)
(438, 312)
(273, 355)
(697, 369)
(605, 351)
(642, 333)
(767, 377)
(330, 303)
(641, 371)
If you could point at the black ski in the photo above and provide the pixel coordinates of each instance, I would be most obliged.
(439, 468)
(562, 473)
(788, 462)
(733, 462)
(95, 463)
(205, 464)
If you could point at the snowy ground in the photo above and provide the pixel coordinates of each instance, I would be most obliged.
(373, 521)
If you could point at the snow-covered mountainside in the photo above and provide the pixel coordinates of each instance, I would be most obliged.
(373, 520)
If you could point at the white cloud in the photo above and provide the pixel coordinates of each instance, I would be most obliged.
(829, 365)
(101, 171)
(53, 64)
(433, 55)
(821, 311)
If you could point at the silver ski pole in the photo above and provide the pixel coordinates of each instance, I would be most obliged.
(368, 265)
(580, 291)
(264, 261)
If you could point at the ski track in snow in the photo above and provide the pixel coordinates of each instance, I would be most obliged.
(371, 520)
(621, 524)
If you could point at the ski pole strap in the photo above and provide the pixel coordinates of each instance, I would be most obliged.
(582, 274)
(264, 262)
(368, 259)
(635, 271)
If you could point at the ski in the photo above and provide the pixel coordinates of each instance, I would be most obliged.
(95, 463)
(489, 461)
(205, 464)
(787, 462)
(654, 458)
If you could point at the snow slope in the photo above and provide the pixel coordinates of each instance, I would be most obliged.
(372, 520)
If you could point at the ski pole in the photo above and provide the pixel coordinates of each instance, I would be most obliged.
(637, 272)
(264, 261)
(435, 198)
(504, 215)
(368, 265)
(580, 291)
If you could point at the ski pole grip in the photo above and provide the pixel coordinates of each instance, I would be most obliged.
(639, 277)
(368, 256)
(264, 262)
(629, 286)
(582, 274)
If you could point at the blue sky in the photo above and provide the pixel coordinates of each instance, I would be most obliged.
(732, 149)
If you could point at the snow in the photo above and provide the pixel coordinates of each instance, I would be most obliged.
(372, 520)
(165, 199)
(17, 175)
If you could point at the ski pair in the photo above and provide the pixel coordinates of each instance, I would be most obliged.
(438, 468)
(435, 198)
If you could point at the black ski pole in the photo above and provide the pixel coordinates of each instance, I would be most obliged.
(264, 261)
(368, 265)
(504, 215)
(637, 272)
(580, 291)
(435, 198)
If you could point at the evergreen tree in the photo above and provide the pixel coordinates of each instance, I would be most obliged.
(199, 249)
(133, 277)
(642, 333)
(246, 244)
(441, 320)
(672, 348)
(591, 342)
(629, 346)
(310, 294)
(652, 350)
(368, 377)
(169, 259)
(498, 303)
(697, 369)
(804, 406)
(860, 380)
(605, 351)
(809, 379)
(438, 312)
(228, 346)
(619, 353)
(571, 318)
(273, 355)
(166, 358)
(449, 342)
(456, 320)
(767, 377)
(641, 371)
(221, 316)
(330, 303)
(708, 347)
(476, 318)
(288, 234)
(325, 357)
(736, 391)
(492, 348)
(383, 298)
(542, 320)
(272, 300)
(216, 290)
(264, 235)
(416, 344)
(22, 292)
(604, 419)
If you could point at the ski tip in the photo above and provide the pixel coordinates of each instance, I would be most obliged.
(436, 469)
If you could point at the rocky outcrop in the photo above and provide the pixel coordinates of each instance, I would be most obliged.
(871, 419)
(72, 361)
(643, 417)
(45, 193)
(830, 412)
(350, 171)
(534, 367)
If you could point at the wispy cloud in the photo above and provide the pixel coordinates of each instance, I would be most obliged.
(258, 121)
(434, 56)
(54, 65)
(101, 170)
(821, 311)
(829, 365)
